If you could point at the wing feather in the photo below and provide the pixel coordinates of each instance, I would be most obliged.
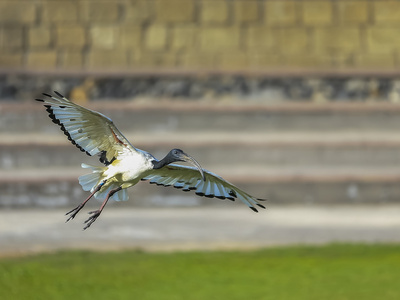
(189, 178)
(88, 130)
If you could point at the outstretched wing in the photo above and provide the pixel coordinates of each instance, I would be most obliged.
(188, 178)
(90, 131)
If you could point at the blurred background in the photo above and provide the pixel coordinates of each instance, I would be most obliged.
(293, 101)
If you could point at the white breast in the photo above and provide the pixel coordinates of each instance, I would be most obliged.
(131, 167)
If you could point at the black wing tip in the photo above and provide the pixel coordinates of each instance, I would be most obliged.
(253, 209)
(58, 94)
(232, 193)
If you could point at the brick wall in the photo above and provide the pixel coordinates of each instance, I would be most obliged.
(199, 34)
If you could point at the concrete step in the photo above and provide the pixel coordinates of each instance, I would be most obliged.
(58, 187)
(187, 116)
(196, 229)
(297, 153)
(210, 148)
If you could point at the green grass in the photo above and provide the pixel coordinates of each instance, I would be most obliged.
(328, 272)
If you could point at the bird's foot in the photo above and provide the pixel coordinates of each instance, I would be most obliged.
(74, 212)
(94, 215)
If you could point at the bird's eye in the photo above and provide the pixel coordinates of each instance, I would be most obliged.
(175, 152)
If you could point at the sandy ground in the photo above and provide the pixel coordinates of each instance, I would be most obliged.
(155, 229)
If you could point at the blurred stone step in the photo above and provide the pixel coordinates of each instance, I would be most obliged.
(58, 187)
(189, 116)
(257, 150)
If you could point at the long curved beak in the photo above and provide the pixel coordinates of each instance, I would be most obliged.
(189, 159)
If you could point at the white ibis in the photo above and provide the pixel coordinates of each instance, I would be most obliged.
(125, 165)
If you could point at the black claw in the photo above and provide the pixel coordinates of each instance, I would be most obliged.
(47, 95)
(40, 100)
(260, 205)
(95, 214)
(71, 211)
(74, 212)
(78, 208)
(87, 226)
(70, 218)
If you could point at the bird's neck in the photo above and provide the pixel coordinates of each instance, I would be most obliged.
(158, 164)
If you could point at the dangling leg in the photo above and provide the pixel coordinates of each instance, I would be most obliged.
(80, 206)
(96, 213)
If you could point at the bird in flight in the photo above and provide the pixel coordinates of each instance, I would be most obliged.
(125, 165)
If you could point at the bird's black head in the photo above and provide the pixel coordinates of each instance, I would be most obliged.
(178, 155)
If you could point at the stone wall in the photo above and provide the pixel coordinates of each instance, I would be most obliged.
(224, 88)
(223, 35)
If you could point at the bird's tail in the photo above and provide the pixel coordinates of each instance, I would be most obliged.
(90, 181)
